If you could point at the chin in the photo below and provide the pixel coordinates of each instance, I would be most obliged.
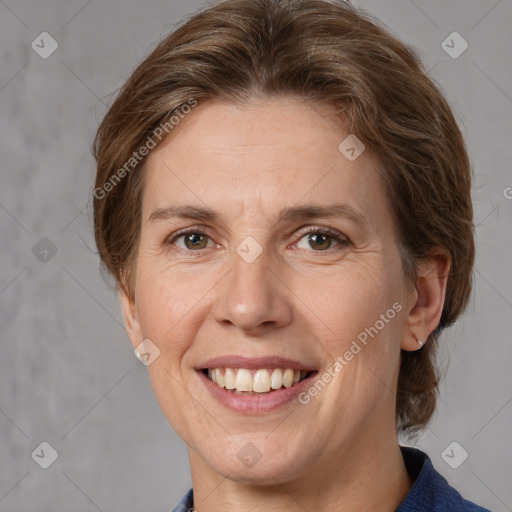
(258, 461)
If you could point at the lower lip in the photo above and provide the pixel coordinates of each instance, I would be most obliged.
(255, 404)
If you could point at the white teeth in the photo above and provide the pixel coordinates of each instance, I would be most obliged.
(277, 378)
(229, 379)
(288, 378)
(243, 381)
(262, 381)
(219, 378)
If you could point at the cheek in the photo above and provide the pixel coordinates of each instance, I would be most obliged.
(357, 305)
(166, 302)
(167, 307)
(363, 311)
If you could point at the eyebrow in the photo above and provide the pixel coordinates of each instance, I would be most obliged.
(310, 211)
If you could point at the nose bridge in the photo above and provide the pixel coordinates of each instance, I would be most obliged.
(252, 296)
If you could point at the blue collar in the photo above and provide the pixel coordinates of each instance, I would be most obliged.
(429, 493)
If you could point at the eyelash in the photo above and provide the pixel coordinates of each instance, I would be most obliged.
(342, 240)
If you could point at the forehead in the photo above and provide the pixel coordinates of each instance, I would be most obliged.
(264, 155)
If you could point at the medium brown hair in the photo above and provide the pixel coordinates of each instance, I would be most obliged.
(322, 51)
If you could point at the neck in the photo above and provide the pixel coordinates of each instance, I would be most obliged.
(365, 476)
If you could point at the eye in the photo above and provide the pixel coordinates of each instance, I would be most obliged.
(320, 239)
(193, 239)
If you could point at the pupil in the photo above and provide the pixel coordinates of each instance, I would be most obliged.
(193, 238)
(316, 239)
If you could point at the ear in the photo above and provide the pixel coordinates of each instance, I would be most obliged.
(131, 319)
(427, 299)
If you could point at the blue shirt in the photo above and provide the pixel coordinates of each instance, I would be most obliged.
(429, 493)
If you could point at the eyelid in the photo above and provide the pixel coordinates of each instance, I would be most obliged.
(324, 230)
(193, 229)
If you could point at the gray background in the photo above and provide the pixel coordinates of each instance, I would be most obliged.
(68, 374)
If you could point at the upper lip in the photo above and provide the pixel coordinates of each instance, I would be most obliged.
(254, 363)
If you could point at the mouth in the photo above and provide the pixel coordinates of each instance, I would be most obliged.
(254, 385)
(245, 381)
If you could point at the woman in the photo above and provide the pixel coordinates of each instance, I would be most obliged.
(283, 197)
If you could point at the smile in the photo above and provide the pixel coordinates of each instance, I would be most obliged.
(251, 382)
(255, 385)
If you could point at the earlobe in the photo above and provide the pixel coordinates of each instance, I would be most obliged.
(427, 300)
(131, 320)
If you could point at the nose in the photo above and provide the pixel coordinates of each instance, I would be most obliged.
(253, 296)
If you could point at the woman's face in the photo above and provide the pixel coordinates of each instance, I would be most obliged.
(251, 288)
